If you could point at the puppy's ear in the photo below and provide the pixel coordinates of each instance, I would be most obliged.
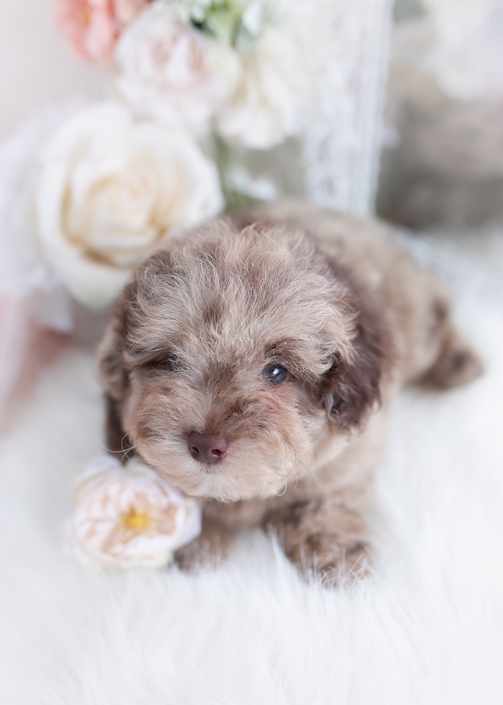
(111, 370)
(114, 378)
(116, 439)
(351, 388)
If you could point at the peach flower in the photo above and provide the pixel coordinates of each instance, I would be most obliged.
(93, 26)
(129, 516)
(172, 72)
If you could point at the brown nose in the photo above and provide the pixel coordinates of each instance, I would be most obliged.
(208, 448)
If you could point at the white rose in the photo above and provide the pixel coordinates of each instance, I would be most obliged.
(129, 516)
(109, 190)
(172, 71)
(266, 107)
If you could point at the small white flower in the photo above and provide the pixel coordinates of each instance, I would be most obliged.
(129, 516)
(109, 190)
(266, 107)
(174, 72)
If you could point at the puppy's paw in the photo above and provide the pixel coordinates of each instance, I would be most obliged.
(456, 365)
(207, 550)
(324, 542)
(322, 556)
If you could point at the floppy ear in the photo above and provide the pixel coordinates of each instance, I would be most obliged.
(111, 371)
(114, 378)
(351, 388)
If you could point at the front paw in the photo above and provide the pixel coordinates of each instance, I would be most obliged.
(322, 555)
(323, 543)
(207, 550)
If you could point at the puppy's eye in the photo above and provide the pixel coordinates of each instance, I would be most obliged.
(275, 373)
(173, 363)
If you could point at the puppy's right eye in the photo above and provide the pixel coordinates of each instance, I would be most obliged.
(173, 363)
(170, 362)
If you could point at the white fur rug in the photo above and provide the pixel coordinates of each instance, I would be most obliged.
(427, 628)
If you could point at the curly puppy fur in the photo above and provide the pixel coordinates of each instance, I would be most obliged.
(327, 296)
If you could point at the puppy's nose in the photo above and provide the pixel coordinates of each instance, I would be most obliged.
(208, 448)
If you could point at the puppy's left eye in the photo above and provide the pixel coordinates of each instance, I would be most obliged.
(174, 363)
(171, 362)
(275, 373)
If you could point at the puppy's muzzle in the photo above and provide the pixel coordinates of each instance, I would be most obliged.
(208, 448)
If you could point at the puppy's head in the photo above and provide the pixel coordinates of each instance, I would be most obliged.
(232, 355)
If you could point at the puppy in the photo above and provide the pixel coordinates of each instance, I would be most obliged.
(253, 362)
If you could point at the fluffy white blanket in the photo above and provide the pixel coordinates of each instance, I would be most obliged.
(426, 628)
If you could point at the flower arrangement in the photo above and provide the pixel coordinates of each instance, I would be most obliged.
(201, 89)
(87, 192)
(231, 65)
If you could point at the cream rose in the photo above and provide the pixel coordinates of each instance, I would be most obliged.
(174, 72)
(129, 516)
(110, 189)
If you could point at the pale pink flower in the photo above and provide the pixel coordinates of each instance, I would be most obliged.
(173, 72)
(93, 26)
